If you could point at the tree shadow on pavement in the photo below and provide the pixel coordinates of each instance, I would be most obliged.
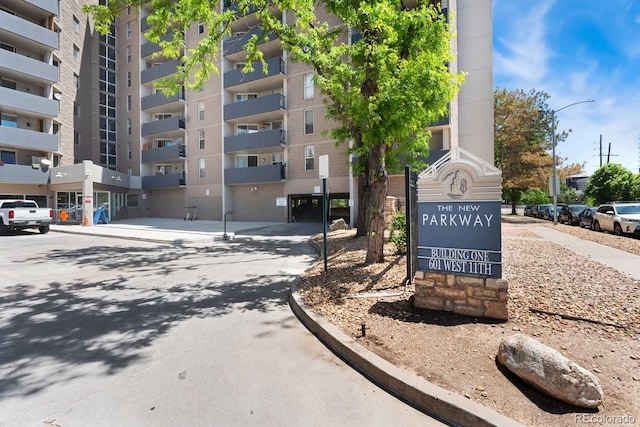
(56, 330)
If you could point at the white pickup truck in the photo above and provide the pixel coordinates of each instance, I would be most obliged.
(21, 214)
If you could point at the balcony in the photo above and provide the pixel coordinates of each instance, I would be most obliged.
(20, 174)
(255, 175)
(11, 26)
(27, 104)
(255, 141)
(149, 48)
(25, 68)
(261, 109)
(241, 82)
(171, 180)
(159, 71)
(155, 102)
(163, 154)
(27, 139)
(171, 126)
(48, 6)
(235, 44)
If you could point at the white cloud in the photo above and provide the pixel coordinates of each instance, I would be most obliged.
(525, 53)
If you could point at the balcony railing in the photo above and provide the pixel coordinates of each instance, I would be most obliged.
(254, 175)
(255, 141)
(156, 100)
(171, 180)
(28, 104)
(159, 71)
(28, 139)
(28, 67)
(236, 44)
(163, 154)
(20, 174)
(28, 30)
(50, 6)
(167, 125)
(263, 104)
(151, 48)
(276, 67)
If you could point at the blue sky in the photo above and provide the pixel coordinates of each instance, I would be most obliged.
(576, 50)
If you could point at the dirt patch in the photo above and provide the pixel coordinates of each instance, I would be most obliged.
(595, 322)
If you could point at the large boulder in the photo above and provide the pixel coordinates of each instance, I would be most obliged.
(550, 371)
(338, 224)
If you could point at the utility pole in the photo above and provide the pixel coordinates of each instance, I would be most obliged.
(600, 150)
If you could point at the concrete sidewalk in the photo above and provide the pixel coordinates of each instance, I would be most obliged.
(625, 262)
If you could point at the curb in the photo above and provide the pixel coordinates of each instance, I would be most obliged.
(425, 396)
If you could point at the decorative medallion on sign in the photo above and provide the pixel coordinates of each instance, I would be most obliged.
(457, 184)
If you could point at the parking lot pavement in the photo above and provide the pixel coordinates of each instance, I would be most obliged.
(163, 230)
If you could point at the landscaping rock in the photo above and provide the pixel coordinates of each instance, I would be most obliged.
(550, 371)
(338, 224)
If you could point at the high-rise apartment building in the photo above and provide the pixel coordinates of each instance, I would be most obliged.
(246, 143)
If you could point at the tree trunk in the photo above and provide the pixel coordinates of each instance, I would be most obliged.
(379, 184)
(364, 191)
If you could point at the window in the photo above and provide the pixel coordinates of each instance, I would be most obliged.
(129, 152)
(241, 97)
(128, 54)
(201, 168)
(161, 143)
(76, 81)
(308, 86)
(9, 84)
(128, 30)
(246, 161)
(128, 78)
(8, 156)
(200, 110)
(7, 47)
(129, 102)
(200, 28)
(162, 116)
(201, 138)
(8, 120)
(76, 52)
(129, 127)
(276, 158)
(76, 138)
(76, 24)
(244, 129)
(308, 122)
(308, 158)
(162, 170)
(76, 109)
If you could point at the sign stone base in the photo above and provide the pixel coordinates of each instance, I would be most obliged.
(469, 296)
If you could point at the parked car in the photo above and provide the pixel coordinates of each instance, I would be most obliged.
(17, 215)
(569, 214)
(549, 212)
(585, 218)
(618, 217)
(529, 210)
(543, 210)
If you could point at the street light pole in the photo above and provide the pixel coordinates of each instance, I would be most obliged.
(553, 156)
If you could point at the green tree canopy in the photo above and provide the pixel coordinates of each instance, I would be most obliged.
(609, 183)
(382, 91)
(522, 140)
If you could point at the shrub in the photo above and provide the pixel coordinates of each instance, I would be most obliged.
(398, 232)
